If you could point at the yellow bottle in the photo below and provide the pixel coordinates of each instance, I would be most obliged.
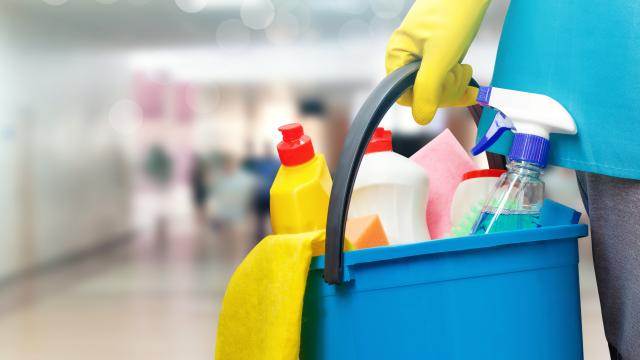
(300, 191)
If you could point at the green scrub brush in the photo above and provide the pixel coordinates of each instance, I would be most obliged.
(465, 225)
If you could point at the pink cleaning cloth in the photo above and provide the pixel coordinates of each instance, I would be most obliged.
(445, 161)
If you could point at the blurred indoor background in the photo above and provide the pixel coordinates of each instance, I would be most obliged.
(137, 145)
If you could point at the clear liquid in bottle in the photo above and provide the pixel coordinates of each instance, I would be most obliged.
(515, 201)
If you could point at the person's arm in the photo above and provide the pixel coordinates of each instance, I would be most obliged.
(439, 32)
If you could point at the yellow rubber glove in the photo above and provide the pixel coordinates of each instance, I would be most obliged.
(439, 32)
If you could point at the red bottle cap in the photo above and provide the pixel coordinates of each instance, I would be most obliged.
(296, 147)
(482, 173)
(381, 141)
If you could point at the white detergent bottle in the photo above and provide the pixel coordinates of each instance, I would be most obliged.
(394, 188)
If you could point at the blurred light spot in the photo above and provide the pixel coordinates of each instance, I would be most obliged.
(107, 2)
(387, 9)
(379, 27)
(125, 116)
(311, 35)
(284, 29)
(54, 2)
(287, 5)
(192, 6)
(232, 33)
(354, 7)
(257, 14)
(353, 34)
(139, 2)
(303, 14)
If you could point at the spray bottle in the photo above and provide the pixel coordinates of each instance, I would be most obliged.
(517, 197)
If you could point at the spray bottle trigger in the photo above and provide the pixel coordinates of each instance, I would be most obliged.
(499, 125)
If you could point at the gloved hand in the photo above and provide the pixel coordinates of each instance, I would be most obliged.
(439, 32)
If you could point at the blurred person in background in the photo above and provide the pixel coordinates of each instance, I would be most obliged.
(229, 205)
(158, 169)
(199, 191)
(544, 50)
(264, 168)
(158, 166)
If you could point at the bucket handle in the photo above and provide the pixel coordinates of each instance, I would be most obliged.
(366, 121)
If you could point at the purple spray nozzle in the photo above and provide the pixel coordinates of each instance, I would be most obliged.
(484, 94)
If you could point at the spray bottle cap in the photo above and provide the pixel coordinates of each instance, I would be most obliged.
(532, 117)
(381, 141)
(296, 147)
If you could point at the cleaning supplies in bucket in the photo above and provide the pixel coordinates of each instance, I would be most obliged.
(518, 195)
(459, 298)
(394, 188)
(366, 232)
(300, 191)
(470, 197)
(261, 315)
(445, 160)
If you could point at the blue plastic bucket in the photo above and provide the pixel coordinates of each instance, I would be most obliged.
(512, 295)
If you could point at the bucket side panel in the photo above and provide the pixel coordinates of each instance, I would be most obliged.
(532, 314)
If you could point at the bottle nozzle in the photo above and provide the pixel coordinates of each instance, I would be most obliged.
(499, 125)
(484, 94)
(291, 132)
(296, 147)
(381, 141)
(532, 117)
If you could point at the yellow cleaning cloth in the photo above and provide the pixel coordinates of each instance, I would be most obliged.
(262, 308)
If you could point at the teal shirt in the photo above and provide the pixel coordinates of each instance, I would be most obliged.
(586, 55)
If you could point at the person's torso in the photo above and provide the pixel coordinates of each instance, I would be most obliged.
(586, 55)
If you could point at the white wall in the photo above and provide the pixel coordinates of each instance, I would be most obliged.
(64, 183)
(8, 223)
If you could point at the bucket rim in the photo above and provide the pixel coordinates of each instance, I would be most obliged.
(470, 242)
